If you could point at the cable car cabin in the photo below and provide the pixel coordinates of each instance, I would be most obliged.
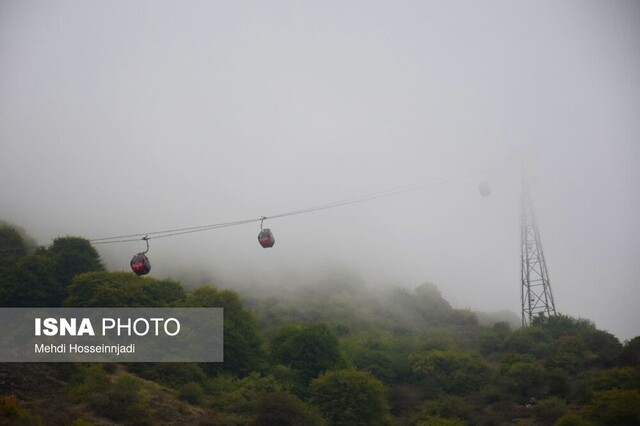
(266, 238)
(484, 188)
(140, 264)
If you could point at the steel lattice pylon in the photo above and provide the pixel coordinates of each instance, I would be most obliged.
(536, 289)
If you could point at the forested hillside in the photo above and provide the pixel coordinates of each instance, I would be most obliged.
(335, 353)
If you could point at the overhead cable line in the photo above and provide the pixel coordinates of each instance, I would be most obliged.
(127, 238)
(354, 200)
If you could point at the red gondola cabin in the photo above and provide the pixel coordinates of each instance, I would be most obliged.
(140, 264)
(266, 238)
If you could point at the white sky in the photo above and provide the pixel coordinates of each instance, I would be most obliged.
(123, 117)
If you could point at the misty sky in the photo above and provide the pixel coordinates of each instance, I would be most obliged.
(122, 117)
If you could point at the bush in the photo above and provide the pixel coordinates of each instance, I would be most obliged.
(281, 409)
(240, 396)
(88, 381)
(309, 349)
(81, 422)
(350, 397)
(448, 406)
(12, 413)
(572, 419)
(615, 407)
(119, 401)
(193, 393)
(549, 410)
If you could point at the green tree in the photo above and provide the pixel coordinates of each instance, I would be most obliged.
(309, 349)
(163, 293)
(568, 353)
(122, 289)
(524, 377)
(615, 407)
(350, 397)
(572, 419)
(630, 354)
(377, 362)
(447, 406)
(32, 282)
(494, 340)
(605, 347)
(108, 290)
(242, 345)
(457, 372)
(73, 256)
(168, 373)
(440, 421)
(240, 395)
(548, 411)
(558, 382)
(191, 392)
(621, 378)
(281, 409)
(12, 246)
(123, 402)
(41, 278)
(563, 325)
(529, 340)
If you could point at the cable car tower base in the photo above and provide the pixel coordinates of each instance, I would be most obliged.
(536, 289)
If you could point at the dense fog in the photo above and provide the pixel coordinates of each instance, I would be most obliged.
(126, 118)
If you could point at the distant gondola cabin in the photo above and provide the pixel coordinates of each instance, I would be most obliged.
(140, 264)
(266, 238)
(484, 188)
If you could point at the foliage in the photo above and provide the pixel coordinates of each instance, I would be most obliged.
(169, 373)
(309, 349)
(455, 372)
(12, 412)
(562, 325)
(163, 293)
(604, 345)
(106, 289)
(31, 282)
(350, 397)
(122, 401)
(385, 354)
(523, 377)
(81, 422)
(440, 421)
(572, 419)
(630, 354)
(73, 256)
(240, 396)
(549, 410)
(615, 407)
(12, 246)
(242, 344)
(441, 367)
(88, 380)
(530, 340)
(376, 361)
(558, 381)
(122, 289)
(40, 279)
(281, 409)
(615, 378)
(191, 392)
(426, 306)
(446, 407)
(119, 400)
